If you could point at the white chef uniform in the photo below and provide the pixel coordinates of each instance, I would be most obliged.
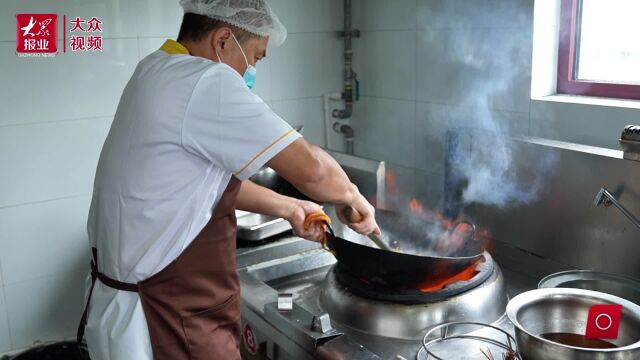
(183, 127)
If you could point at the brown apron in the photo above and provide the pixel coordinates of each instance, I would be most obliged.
(192, 306)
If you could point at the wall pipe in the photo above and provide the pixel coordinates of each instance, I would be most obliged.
(349, 76)
(349, 135)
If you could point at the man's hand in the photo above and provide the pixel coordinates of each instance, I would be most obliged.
(298, 211)
(258, 199)
(316, 174)
(367, 223)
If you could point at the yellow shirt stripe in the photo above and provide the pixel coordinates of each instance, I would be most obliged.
(263, 151)
(173, 47)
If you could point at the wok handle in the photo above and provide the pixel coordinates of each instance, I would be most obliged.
(352, 215)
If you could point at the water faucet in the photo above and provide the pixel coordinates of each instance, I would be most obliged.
(605, 199)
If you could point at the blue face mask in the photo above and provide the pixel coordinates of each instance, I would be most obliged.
(251, 72)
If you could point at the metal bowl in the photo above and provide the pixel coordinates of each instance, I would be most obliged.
(625, 287)
(544, 311)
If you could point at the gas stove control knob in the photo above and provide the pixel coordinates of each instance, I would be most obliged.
(285, 302)
(322, 323)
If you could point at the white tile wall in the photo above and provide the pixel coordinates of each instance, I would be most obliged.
(306, 112)
(389, 69)
(377, 15)
(50, 160)
(304, 16)
(57, 112)
(456, 14)
(387, 131)
(306, 65)
(47, 238)
(47, 308)
(69, 86)
(464, 66)
(5, 334)
(157, 17)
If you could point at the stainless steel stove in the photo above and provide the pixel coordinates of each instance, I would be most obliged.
(406, 316)
(331, 317)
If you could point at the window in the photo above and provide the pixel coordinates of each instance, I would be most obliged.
(599, 52)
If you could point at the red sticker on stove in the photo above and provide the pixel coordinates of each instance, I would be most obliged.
(250, 339)
(603, 322)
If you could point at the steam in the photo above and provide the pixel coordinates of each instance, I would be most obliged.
(492, 66)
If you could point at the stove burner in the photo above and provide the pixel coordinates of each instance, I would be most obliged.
(484, 302)
(413, 296)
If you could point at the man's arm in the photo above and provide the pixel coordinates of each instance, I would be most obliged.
(259, 199)
(316, 174)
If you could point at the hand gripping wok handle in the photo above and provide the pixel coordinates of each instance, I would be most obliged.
(352, 215)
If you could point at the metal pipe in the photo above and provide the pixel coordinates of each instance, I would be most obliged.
(348, 133)
(326, 99)
(348, 33)
(349, 145)
(604, 198)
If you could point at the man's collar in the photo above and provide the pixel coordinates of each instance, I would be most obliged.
(173, 47)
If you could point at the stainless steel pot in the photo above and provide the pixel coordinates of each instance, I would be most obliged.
(622, 286)
(563, 310)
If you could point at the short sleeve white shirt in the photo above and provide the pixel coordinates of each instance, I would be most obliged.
(183, 127)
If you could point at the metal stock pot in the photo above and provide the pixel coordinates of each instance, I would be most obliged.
(622, 286)
(562, 310)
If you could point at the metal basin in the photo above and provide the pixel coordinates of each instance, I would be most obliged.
(621, 286)
(256, 227)
(546, 311)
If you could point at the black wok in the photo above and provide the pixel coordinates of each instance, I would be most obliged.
(423, 254)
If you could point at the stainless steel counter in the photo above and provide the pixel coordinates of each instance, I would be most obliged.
(295, 266)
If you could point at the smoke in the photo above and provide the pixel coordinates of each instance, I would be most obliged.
(490, 47)
(499, 171)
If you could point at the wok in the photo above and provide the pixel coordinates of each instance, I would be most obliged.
(422, 257)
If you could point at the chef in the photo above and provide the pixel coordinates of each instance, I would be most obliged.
(187, 135)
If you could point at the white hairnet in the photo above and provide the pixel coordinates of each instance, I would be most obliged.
(254, 16)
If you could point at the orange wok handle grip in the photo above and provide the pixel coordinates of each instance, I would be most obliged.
(324, 219)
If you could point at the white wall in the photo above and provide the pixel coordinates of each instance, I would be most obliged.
(56, 113)
(430, 65)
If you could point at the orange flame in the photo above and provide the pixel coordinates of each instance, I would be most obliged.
(416, 207)
(390, 177)
(465, 275)
(458, 232)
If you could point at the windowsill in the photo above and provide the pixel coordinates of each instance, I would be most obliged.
(588, 100)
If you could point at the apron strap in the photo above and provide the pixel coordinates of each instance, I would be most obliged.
(83, 319)
(112, 283)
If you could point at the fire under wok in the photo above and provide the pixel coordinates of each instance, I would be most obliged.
(427, 250)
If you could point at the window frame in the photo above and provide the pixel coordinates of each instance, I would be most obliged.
(566, 82)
